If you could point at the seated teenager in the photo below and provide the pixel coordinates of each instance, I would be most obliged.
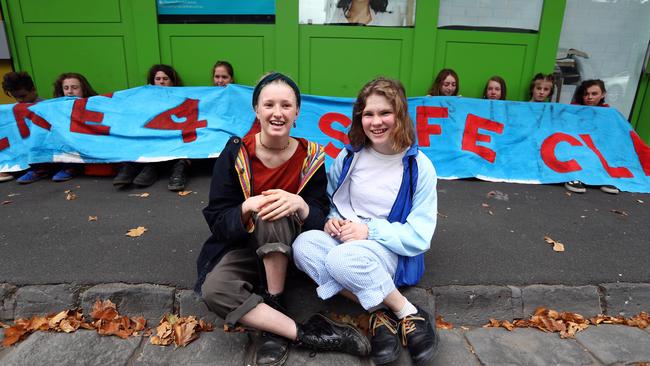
(266, 188)
(382, 218)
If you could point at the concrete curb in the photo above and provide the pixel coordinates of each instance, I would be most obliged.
(461, 305)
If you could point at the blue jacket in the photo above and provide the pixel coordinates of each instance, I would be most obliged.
(409, 228)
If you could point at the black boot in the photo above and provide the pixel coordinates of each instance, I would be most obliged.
(419, 334)
(272, 349)
(178, 179)
(147, 176)
(320, 333)
(383, 337)
(125, 176)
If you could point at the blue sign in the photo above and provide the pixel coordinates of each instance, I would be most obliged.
(216, 7)
(464, 137)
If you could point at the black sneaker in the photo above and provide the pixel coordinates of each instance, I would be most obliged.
(271, 350)
(383, 337)
(125, 176)
(178, 178)
(147, 176)
(575, 186)
(320, 333)
(419, 335)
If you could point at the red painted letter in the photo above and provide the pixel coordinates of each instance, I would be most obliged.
(4, 143)
(620, 172)
(471, 136)
(325, 125)
(548, 153)
(423, 128)
(189, 109)
(80, 115)
(21, 112)
(642, 151)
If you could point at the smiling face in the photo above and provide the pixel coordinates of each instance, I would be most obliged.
(276, 109)
(221, 77)
(161, 79)
(72, 88)
(541, 90)
(593, 96)
(378, 121)
(448, 86)
(493, 90)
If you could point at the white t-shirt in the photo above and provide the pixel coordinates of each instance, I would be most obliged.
(371, 187)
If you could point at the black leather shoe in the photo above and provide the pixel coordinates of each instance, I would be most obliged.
(125, 175)
(272, 350)
(383, 337)
(178, 179)
(147, 176)
(320, 333)
(419, 335)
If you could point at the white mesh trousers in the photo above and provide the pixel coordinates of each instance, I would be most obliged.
(364, 267)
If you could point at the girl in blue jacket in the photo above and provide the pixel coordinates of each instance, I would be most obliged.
(382, 218)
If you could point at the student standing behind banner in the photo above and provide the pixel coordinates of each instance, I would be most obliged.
(446, 84)
(590, 93)
(265, 189)
(382, 218)
(72, 84)
(144, 175)
(542, 87)
(20, 86)
(495, 88)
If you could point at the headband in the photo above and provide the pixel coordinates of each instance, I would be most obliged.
(270, 78)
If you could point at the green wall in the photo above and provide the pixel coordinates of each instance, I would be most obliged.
(114, 42)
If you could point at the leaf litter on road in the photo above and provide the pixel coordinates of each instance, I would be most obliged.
(92, 218)
(141, 195)
(557, 246)
(138, 231)
(70, 195)
(106, 321)
(184, 193)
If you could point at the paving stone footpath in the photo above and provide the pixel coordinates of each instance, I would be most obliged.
(467, 307)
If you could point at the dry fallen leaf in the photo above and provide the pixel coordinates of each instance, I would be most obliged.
(138, 231)
(640, 201)
(69, 195)
(92, 218)
(485, 205)
(619, 212)
(6, 202)
(442, 215)
(18, 194)
(104, 310)
(184, 193)
(557, 246)
(442, 324)
(143, 195)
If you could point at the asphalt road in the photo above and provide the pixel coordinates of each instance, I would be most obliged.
(482, 238)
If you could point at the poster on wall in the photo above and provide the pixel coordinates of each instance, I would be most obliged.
(382, 13)
(216, 11)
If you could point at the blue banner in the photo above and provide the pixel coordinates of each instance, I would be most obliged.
(464, 137)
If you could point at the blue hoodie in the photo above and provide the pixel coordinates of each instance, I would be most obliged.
(412, 220)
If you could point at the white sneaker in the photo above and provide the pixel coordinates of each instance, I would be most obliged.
(575, 186)
(5, 177)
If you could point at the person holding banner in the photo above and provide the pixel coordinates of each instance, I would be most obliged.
(590, 93)
(266, 188)
(20, 86)
(445, 84)
(542, 87)
(495, 88)
(381, 222)
(223, 73)
(146, 174)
